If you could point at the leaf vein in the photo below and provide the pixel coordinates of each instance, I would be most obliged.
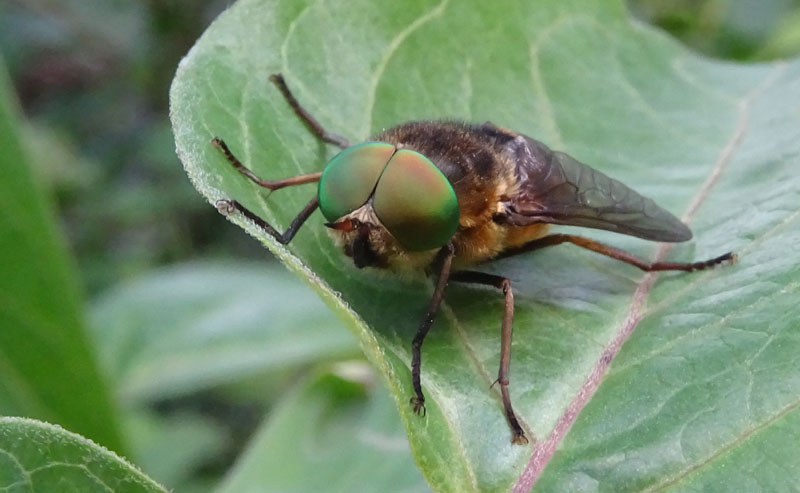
(25, 473)
(704, 275)
(469, 350)
(728, 448)
(544, 451)
(392, 48)
(456, 437)
(663, 348)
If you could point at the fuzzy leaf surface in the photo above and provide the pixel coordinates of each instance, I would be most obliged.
(708, 381)
(40, 457)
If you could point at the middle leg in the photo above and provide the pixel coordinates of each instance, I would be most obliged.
(504, 284)
(229, 206)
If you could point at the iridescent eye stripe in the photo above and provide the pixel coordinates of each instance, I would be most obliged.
(349, 179)
(416, 202)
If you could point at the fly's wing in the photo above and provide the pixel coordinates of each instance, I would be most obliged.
(556, 188)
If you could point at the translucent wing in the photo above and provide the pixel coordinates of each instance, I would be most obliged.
(556, 188)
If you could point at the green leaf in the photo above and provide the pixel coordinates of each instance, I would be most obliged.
(310, 429)
(171, 449)
(710, 371)
(785, 39)
(40, 457)
(47, 369)
(189, 327)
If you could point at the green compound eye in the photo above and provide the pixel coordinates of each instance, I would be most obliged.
(350, 177)
(416, 202)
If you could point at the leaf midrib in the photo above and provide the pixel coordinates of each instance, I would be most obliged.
(543, 452)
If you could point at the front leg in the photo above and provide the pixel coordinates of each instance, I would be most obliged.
(227, 207)
(445, 259)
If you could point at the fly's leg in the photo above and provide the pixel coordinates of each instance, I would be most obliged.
(616, 253)
(227, 207)
(444, 260)
(304, 115)
(230, 206)
(310, 121)
(269, 184)
(504, 284)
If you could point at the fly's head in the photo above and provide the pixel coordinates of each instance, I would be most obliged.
(366, 240)
(388, 207)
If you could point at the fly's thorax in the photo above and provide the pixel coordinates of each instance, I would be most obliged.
(474, 160)
(468, 155)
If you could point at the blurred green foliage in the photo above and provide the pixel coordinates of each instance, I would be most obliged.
(92, 76)
(746, 30)
(92, 79)
(41, 312)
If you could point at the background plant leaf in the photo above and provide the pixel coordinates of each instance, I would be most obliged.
(171, 449)
(710, 370)
(198, 329)
(37, 456)
(191, 327)
(47, 369)
(310, 427)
